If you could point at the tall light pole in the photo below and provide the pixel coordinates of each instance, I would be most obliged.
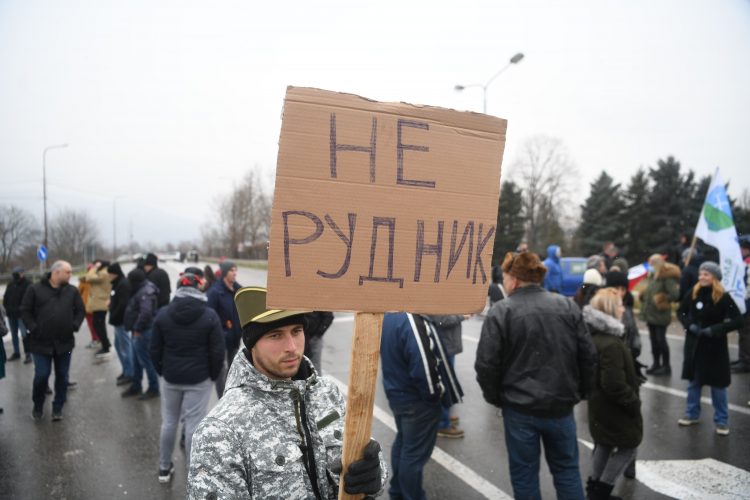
(513, 60)
(44, 183)
(114, 227)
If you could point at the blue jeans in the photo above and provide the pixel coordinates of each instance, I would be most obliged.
(718, 400)
(124, 349)
(141, 361)
(42, 370)
(16, 325)
(522, 435)
(417, 423)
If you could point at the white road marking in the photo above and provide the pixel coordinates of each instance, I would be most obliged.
(587, 444)
(683, 395)
(459, 469)
(72, 453)
(695, 479)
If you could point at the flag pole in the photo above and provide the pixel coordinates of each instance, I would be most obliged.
(692, 250)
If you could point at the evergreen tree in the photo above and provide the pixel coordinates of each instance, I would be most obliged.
(669, 206)
(601, 216)
(510, 221)
(636, 212)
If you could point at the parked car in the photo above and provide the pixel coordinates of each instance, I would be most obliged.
(572, 271)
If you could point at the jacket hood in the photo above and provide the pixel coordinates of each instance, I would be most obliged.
(243, 373)
(552, 252)
(185, 310)
(602, 323)
(148, 287)
(667, 271)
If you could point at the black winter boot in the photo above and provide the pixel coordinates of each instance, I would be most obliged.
(630, 470)
(589, 485)
(601, 491)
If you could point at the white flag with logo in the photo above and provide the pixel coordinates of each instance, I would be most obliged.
(716, 228)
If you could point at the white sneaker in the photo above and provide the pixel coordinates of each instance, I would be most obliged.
(165, 475)
(685, 421)
(722, 430)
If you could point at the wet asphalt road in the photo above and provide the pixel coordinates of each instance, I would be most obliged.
(107, 447)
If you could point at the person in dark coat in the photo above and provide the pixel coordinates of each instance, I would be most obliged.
(138, 319)
(221, 300)
(53, 311)
(187, 349)
(158, 277)
(614, 408)
(12, 301)
(3, 333)
(535, 361)
(118, 302)
(708, 314)
(691, 260)
(317, 324)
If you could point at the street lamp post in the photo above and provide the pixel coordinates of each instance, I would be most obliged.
(44, 184)
(513, 60)
(114, 227)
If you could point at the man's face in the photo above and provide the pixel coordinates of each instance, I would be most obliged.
(62, 275)
(231, 276)
(147, 268)
(509, 283)
(278, 353)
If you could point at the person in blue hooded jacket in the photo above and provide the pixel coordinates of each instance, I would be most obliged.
(553, 280)
(417, 379)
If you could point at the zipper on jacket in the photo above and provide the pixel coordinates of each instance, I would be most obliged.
(308, 452)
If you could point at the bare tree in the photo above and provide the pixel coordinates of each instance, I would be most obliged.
(17, 230)
(241, 219)
(547, 176)
(72, 236)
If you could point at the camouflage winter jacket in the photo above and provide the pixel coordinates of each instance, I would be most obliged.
(252, 444)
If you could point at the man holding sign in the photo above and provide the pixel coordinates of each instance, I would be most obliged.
(277, 431)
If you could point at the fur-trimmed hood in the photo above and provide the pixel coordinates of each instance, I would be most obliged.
(668, 271)
(602, 323)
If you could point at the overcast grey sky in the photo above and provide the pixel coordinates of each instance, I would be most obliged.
(166, 103)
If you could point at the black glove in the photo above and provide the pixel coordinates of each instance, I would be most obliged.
(694, 329)
(705, 332)
(363, 476)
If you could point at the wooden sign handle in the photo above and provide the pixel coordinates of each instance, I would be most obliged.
(363, 375)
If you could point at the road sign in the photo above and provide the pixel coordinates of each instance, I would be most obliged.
(41, 253)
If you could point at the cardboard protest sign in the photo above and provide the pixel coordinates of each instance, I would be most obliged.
(383, 206)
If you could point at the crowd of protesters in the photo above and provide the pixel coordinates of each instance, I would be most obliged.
(539, 354)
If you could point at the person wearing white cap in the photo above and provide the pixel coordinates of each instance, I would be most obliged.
(277, 430)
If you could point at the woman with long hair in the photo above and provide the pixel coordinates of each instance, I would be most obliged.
(614, 406)
(708, 313)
